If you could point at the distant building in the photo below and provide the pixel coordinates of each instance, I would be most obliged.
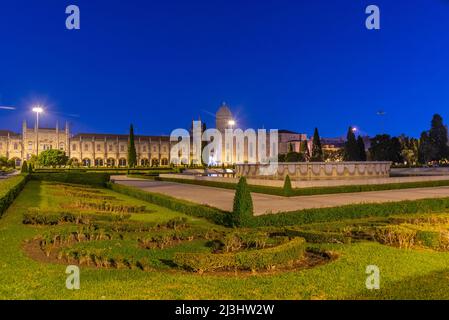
(86, 149)
(98, 149)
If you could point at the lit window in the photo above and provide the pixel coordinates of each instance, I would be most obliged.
(98, 147)
(30, 146)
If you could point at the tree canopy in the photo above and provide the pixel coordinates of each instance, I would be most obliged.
(317, 150)
(52, 158)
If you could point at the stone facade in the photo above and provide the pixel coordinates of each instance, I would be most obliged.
(86, 149)
(318, 170)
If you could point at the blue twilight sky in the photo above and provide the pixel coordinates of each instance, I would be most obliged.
(278, 64)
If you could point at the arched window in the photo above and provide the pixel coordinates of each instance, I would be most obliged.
(111, 162)
(86, 162)
(61, 146)
(122, 162)
(164, 162)
(98, 162)
(154, 162)
(144, 162)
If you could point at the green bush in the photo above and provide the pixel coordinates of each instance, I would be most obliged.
(313, 236)
(201, 211)
(24, 169)
(242, 211)
(288, 190)
(264, 259)
(10, 189)
(89, 178)
(430, 239)
(396, 235)
(354, 211)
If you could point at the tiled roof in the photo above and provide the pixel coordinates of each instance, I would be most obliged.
(119, 136)
(6, 132)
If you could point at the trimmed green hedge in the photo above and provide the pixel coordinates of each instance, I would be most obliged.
(314, 190)
(254, 260)
(313, 236)
(10, 189)
(88, 178)
(354, 211)
(201, 211)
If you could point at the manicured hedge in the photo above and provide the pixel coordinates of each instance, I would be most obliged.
(313, 236)
(254, 260)
(354, 211)
(10, 189)
(314, 190)
(212, 214)
(89, 178)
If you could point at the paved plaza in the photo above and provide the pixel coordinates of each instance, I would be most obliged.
(263, 203)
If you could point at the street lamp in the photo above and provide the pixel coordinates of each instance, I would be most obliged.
(37, 109)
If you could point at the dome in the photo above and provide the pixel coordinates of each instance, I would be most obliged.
(224, 111)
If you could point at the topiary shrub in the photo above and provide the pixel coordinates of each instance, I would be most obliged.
(242, 212)
(24, 169)
(288, 190)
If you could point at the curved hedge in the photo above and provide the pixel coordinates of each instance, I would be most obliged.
(197, 210)
(10, 189)
(90, 178)
(263, 259)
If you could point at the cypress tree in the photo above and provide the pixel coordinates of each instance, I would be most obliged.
(361, 148)
(352, 152)
(24, 167)
(288, 190)
(305, 150)
(438, 139)
(242, 211)
(132, 155)
(317, 151)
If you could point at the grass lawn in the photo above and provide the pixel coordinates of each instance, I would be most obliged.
(417, 273)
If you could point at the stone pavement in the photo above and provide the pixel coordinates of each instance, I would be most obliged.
(263, 203)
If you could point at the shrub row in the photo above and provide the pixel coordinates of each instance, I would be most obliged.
(405, 237)
(110, 207)
(35, 216)
(101, 259)
(10, 189)
(201, 211)
(290, 192)
(254, 260)
(354, 211)
(89, 178)
(313, 236)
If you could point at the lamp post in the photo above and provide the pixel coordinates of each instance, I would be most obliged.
(38, 109)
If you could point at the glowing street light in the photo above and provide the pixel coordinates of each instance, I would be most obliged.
(231, 123)
(38, 109)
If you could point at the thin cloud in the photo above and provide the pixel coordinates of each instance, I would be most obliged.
(7, 108)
